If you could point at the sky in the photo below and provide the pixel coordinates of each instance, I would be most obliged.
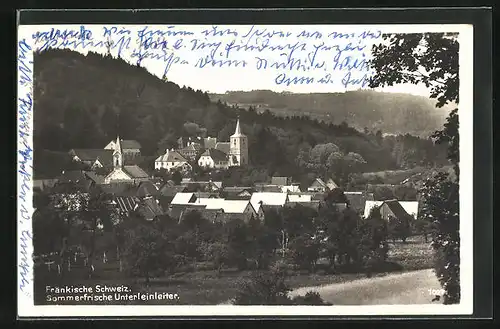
(216, 59)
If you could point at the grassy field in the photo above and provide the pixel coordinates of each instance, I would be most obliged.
(207, 287)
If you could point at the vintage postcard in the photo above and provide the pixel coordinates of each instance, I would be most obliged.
(244, 170)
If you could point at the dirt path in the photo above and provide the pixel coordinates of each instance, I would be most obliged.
(417, 287)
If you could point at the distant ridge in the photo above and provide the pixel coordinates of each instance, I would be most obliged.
(392, 113)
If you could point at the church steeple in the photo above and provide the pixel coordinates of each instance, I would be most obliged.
(237, 131)
(117, 154)
(238, 151)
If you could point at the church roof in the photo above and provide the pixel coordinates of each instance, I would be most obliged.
(216, 155)
(135, 171)
(126, 144)
(118, 146)
(223, 146)
(237, 131)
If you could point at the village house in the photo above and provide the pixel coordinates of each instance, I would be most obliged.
(277, 199)
(357, 200)
(122, 173)
(93, 158)
(190, 151)
(183, 198)
(213, 158)
(237, 193)
(281, 181)
(392, 207)
(232, 209)
(318, 185)
(149, 209)
(172, 160)
(129, 147)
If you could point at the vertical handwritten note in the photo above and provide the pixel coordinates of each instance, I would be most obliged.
(25, 164)
(323, 58)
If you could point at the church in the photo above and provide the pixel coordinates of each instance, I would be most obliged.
(235, 155)
(121, 172)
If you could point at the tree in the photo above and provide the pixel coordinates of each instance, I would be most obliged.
(431, 59)
(398, 228)
(217, 252)
(264, 288)
(148, 253)
(177, 177)
(305, 251)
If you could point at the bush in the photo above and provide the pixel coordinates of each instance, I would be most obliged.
(310, 298)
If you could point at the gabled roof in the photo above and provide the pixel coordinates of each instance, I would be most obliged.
(147, 188)
(118, 188)
(397, 209)
(268, 198)
(311, 204)
(357, 200)
(209, 142)
(411, 207)
(238, 189)
(369, 205)
(167, 190)
(135, 171)
(216, 155)
(98, 179)
(171, 156)
(331, 184)
(149, 209)
(280, 180)
(223, 146)
(299, 198)
(211, 215)
(193, 147)
(291, 188)
(129, 144)
(183, 198)
(72, 176)
(178, 210)
(229, 206)
(126, 203)
(105, 156)
(74, 179)
(126, 144)
(318, 181)
(268, 188)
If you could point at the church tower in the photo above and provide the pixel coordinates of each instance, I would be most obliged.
(238, 151)
(117, 154)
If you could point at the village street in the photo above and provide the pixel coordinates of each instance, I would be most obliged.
(416, 287)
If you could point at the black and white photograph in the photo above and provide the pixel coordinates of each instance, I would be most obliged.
(245, 165)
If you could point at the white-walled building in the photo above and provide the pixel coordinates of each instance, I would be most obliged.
(171, 160)
(213, 158)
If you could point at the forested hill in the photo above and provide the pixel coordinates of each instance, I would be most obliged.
(389, 112)
(85, 101)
